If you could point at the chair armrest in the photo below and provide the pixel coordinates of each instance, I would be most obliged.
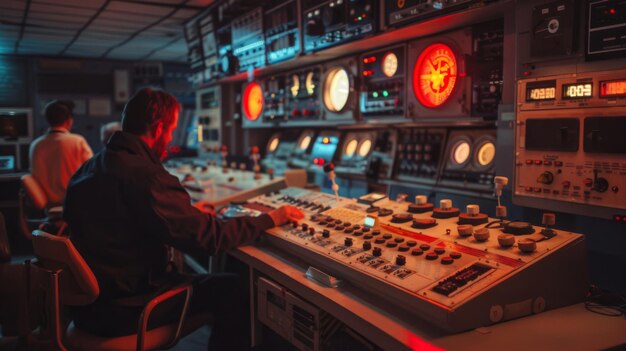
(186, 288)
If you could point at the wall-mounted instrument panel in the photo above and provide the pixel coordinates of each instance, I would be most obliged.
(553, 29)
(382, 157)
(401, 13)
(323, 150)
(278, 150)
(456, 75)
(570, 148)
(329, 23)
(419, 154)
(275, 96)
(606, 30)
(194, 51)
(383, 83)
(303, 90)
(455, 270)
(301, 156)
(249, 40)
(469, 159)
(282, 35)
(355, 153)
(339, 95)
(209, 118)
(209, 47)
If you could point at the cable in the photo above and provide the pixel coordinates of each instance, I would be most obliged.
(605, 303)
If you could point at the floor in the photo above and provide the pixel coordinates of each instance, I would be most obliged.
(196, 341)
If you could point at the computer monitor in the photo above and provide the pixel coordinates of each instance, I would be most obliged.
(16, 125)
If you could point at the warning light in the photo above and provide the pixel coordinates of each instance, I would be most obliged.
(375, 94)
(435, 75)
(612, 11)
(253, 101)
(385, 93)
(368, 72)
(370, 59)
(326, 140)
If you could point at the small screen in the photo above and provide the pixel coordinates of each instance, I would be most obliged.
(13, 125)
(577, 91)
(369, 221)
(613, 88)
(540, 91)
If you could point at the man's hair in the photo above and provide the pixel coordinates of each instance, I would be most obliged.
(57, 112)
(146, 108)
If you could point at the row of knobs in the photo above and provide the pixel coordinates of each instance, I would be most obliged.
(600, 184)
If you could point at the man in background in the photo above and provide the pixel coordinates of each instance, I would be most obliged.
(56, 155)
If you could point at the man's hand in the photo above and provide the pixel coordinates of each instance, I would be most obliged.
(205, 207)
(285, 214)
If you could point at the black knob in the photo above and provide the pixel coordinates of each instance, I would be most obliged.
(546, 178)
(400, 260)
(377, 251)
(326, 233)
(601, 185)
(311, 230)
(367, 245)
(347, 242)
(305, 226)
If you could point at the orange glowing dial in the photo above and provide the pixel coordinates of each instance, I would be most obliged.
(253, 101)
(434, 75)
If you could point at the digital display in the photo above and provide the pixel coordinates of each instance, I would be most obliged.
(613, 88)
(540, 94)
(577, 91)
(369, 221)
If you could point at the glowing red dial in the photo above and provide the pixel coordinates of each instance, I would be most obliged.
(253, 101)
(434, 75)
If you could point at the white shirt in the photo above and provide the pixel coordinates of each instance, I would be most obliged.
(54, 158)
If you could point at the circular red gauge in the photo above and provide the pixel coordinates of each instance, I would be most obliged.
(434, 75)
(253, 101)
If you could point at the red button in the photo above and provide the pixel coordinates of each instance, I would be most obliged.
(547, 163)
(529, 188)
(538, 162)
(558, 163)
(529, 162)
(588, 182)
(537, 190)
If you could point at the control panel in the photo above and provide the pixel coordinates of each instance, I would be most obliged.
(301, 156)
(401, 13)
(605, 32)
(456, 268)
(383, 83)
(329, 23)
(469, 159)
(355, 153)
(277, 153)
(382, 158)
(282, 36)
(209, 47)
(323, 150)
(303, 94)
(209, 118)
(275, 96)
(248, 40)
(570, 148)
(419, 154)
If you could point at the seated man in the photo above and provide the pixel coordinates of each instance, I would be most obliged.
(56, 155)
(124, 210)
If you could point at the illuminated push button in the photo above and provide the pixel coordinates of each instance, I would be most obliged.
(506, 240)
(447, 260)
(465, 229)
(558, 163)
(538, 162)
(529, 162)
(400, 260)
(481, 234)
(527, 245)
(377, 251)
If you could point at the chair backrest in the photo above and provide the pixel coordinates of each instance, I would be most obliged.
(296, 177)
(35, 191)
(77, 283)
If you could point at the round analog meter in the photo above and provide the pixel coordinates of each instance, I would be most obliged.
(304, 142)
(295, 85)
(365, 147)
(486, 153)
(434, 75)
(310, 83)
(350, 148)
(273, 144)
(460, 152)
(336, 89)
(390, 64)
(253, 101)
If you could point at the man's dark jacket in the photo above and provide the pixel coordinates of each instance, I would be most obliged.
(124, 209)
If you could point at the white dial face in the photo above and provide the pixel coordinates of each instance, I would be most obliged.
(295, 85)
(273, 145)
(461, 152)
(390, 64)
(336, 89)
(304, 143)
(486, 153)
(350, 148)
(365, 148)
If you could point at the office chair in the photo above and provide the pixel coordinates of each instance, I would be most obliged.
(60, 276)
(32, 190)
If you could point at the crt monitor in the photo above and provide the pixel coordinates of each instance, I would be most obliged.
(16, 125)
